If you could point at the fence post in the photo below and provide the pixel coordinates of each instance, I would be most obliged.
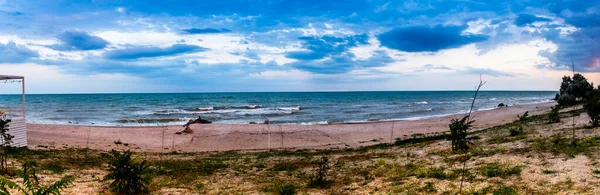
(392, 133)
(281, 131)
(87, 142)
(162, 145)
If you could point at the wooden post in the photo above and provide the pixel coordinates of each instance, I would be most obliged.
(281, 130)
(23, 97)
(392, 134)
(162, 146)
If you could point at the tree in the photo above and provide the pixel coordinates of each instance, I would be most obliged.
(592, 106)
(31, 184)
(129, 176)
(574, 90)
(6, 141)
(459, 131)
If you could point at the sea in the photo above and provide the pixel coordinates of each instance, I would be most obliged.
(258, 107)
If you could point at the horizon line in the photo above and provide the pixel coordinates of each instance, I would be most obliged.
(323, 91)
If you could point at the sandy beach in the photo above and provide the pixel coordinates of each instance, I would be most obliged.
(227, 137)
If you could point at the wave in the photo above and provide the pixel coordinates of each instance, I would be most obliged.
(236, 107)
(153, 120)
(423, 102)
(297, 108)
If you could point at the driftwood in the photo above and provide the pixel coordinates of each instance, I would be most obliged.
(199, 120)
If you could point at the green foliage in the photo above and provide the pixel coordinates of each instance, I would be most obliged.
(558, 144)
(286, 189)
(6, 141)
(31, 185)
(129, 176)
(505, 190)
(53, 166)
(436, 172)
(566, 100)
(525, 116)
(578, 86)
(554, 115)
(496, 169)
(592, 106)
(515, 130)
(458, 133)
(319, 178)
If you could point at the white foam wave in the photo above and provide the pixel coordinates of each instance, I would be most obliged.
(423, 102)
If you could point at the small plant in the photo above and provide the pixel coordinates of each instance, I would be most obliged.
(31, 185)
(515, 130)
(319, 179)
(286, 189)
(118, 142)
(505, 190)
(6, 141)
(525, 116)
(554, 115)
(499, 170)
(458, 133)
(129, 176)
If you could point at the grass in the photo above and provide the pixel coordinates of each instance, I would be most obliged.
(558, 144)
(502, 170)
(423, 164)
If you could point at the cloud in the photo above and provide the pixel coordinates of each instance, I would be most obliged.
(342, 63)
(150, 51)
(581, 45)
(486, 71)
(321, 47)
(429, 67)
(526, 19)
(78, 40)
(13, 53)
(427, 38)
(205, 31)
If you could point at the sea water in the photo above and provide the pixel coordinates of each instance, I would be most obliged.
(243, 108)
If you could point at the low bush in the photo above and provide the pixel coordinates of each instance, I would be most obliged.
(128, 176)
(554, 115)
(496, 169)
(319, 178)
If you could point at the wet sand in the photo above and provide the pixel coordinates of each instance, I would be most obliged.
(226, 137)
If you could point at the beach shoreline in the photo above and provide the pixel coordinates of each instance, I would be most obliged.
(228, 137)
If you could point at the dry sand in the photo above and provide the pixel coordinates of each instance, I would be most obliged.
(226, 137)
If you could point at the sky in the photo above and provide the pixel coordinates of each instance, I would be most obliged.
(344, 45)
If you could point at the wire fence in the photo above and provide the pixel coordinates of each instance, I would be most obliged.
(228, 137)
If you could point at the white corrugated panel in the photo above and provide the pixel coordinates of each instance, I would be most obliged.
(18, 128)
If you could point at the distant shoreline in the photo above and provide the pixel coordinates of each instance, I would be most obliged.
(228, 137)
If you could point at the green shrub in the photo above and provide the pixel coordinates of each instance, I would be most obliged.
(496, 169)
(286, 189)
(554, 115)
(319, 178)
(129, 176)
(436, 172)
(592, 107)
(515, 130)
(31, 185)
(525, 116)
(566, 100)
(458, 133)
(505, 190)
